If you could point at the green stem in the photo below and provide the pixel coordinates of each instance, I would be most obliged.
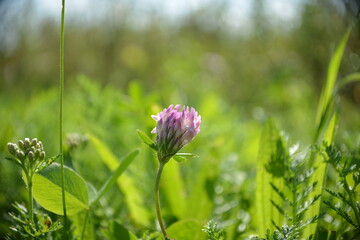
(157, 200)
(62, 38)
(85, 222)
(31, 200)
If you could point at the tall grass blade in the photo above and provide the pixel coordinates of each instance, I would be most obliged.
(328, 90)
(116, 174)
(326, 123)
(133, 196)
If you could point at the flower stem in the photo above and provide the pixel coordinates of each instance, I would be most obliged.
(157, 200)
(62, 38)
(31, 201)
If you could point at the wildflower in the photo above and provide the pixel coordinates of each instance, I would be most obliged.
(174, 130)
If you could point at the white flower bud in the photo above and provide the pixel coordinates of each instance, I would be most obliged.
(12, 148)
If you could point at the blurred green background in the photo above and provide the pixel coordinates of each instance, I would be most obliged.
(236, 62)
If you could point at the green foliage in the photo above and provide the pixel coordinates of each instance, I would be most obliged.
(235, 81)
(47, 190)
(186, 230)
(117, 231)
(41, 228)
(272, 154)
(345, 203)
(213, 231)
(132, 195)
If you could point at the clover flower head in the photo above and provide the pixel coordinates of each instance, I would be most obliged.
(174, 129)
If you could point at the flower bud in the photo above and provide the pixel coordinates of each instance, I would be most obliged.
(31, 156)
(174, 129)
(12, 148)
(40, 145)
(42, 155)
(26, 143)
(34, 142)
(20, 155)
(21, 144)
(37, 153)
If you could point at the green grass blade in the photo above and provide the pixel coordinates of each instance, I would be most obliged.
(116, 174)
(133, 197)
(332, 73)
(353, 77)
(319, 176)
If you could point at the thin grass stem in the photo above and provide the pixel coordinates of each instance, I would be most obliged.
(62, 40)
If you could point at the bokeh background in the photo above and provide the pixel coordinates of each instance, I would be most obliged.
(237, 62)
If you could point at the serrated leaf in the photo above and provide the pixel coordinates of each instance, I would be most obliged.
(48, 192)
(146, 139)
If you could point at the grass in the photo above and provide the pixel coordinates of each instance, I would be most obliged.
(250, 177)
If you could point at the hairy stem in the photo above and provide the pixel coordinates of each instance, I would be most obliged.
(62, 38)
(157, 200)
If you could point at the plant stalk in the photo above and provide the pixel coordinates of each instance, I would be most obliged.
(157, 200)
(62, 39)
(31, 200)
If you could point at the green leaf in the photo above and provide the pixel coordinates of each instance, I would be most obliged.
(133, 197)
(353, 77)
(48, 193)
(118, 231)
(182, 157)
(146, 139)
(179, 158)
(319, 176)
(112, 179)
(187, 155)
(332, 73)
(173, 190)
(77, 223)
(186, 230)
(266, 212)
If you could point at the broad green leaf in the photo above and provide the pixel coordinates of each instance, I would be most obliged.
(146, 139)
(186, 230)
(112, 179)
(119, 232)
(266, 212)
(133, 197)
(48, 193)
